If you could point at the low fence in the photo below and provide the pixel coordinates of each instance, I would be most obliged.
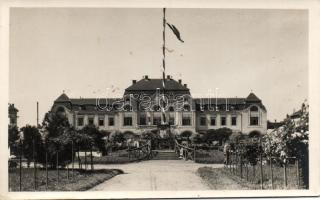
(266, 172)
(140, 153)
(185, 152)
(34, 170)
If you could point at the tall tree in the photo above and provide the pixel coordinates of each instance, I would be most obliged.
(13, 136)
(32, 143)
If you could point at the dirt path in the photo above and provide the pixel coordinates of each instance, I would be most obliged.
(156, 175)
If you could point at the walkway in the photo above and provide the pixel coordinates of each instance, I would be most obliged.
(155, 175)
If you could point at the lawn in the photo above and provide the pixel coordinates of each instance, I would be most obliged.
(81, 181)
(225, 178)
(209, 156)
(252, 174)
(216, 179)
(117, 157)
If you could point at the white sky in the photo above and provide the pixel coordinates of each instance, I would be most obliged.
(85, 50)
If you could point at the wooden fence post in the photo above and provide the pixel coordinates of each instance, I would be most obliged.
(34, 165)
(128, 150)
(20, 168)
(91, 158)
(58, 167)
(85, 159)
(241, 165)
(298, 175)
(67, 171)
(247, 171)
(46, 168)
(271, 173)
(285, 173)
(79, 157)
(72, 158)
(194, 153)
(261, 171)
(236, 163)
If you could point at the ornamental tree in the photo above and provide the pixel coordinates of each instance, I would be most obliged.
(291, 140)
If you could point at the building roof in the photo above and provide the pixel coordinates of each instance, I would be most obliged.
(147, 84)
(93, 101)
(220, 101)
(252, 98)
(62, 98)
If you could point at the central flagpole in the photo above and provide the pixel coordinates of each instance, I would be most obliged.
(164, 63)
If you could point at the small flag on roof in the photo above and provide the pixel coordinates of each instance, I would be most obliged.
(175, 31)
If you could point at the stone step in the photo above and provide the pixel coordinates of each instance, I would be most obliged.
(165, 155)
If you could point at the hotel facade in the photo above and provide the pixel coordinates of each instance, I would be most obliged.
(140, 109)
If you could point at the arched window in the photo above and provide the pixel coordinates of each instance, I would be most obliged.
(171, 109)
(156, 108)
(254, 108)
(60, 109)
(186, 108)
(127, 108)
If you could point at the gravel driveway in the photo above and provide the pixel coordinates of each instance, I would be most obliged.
(155, 175)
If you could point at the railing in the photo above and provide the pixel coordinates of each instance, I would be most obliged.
(140, 153)
(185, 151)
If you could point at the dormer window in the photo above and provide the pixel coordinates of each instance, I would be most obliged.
(254, 109)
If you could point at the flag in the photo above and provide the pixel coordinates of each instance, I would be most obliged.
(175, 31)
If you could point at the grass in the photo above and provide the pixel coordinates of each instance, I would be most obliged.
(225, 178)
(253, 175)
(216, 179)
(82, 180)
(210, 156)
(117, 157)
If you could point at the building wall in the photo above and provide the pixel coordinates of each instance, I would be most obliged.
(242, 121)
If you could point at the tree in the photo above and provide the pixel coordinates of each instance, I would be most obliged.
(221, 135)
(13, 136)
(291, 140)
(97, 137)
(236, 137)
(32, 143)
(57, 138)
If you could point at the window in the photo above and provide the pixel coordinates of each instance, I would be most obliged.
(127, 121)
(101, 121)
(171, 120)
(127, 108)
(80, 121)
(203, 121)
(156, 108)
(254, 121)
(233, 120)
(111, 121)
(143, 120)
(13, 121)
(254, 109)
(90, 121)
(186, 121)
(213, 121)
(186, 108)
(223, 121)
(156, 120)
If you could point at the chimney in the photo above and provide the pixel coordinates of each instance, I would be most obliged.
(146, 77)
(168, 77)
(180, 81)
(185, 85)
(275, 121)
(134, 81)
